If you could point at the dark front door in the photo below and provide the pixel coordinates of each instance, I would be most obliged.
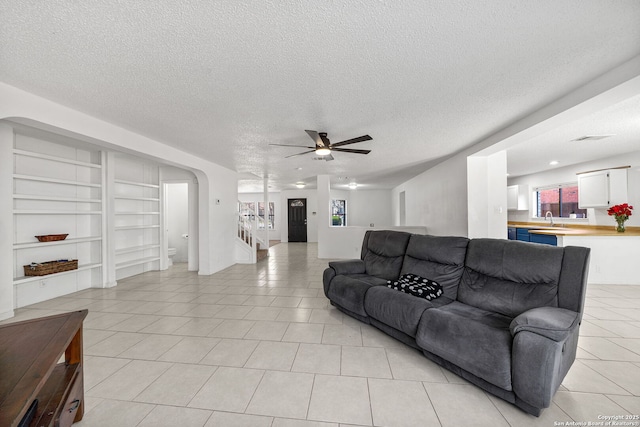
(297, 220)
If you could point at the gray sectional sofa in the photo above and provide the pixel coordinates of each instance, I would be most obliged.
(507, 319)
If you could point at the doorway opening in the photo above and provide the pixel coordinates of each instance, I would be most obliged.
(180, 236)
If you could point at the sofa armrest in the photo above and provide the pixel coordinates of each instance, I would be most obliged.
(545, 342)
(351, 266)
(550, 322)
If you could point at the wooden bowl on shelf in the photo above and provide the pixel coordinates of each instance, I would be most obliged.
(51, 237)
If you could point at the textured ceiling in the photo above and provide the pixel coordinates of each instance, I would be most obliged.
(224, 79)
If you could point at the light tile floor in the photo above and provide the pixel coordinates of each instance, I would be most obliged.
(259, 345)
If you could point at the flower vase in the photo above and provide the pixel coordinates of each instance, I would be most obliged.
(620, 227)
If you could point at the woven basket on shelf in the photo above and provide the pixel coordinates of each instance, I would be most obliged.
(50, 267)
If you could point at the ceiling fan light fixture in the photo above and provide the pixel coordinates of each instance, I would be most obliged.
(323, 147)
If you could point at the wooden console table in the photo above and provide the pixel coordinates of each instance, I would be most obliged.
(30, 372)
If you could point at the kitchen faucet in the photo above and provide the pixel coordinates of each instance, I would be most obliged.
(550, 216)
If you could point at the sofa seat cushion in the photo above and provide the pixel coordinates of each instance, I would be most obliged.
(476, 340)
(348, 291)
(398, 310)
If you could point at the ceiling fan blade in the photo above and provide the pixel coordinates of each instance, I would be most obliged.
(286, 145)
(328, 157)
(316, 138)
(350, 150)
(300, 154)
(353, 141)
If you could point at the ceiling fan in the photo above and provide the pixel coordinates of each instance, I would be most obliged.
(324, 147)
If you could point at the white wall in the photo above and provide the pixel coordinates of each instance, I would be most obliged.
(346, 242)
(436, 199)
(568, 174)
(366, 207)
(487, 195)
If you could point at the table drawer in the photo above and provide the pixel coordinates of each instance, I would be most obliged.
(72, 402)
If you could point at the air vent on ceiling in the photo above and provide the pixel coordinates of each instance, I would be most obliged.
(592, 137)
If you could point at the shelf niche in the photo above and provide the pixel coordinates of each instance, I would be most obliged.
(57, 188)
(137, 220)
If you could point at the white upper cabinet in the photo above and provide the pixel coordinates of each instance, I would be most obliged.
(517, 197)
(601, 189)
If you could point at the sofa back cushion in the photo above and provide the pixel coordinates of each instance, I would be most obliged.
(437, 258)
(383, 251)
(510, 277)
(573, 280)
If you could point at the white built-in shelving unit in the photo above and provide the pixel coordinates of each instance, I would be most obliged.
(108, 203)
(136, 201)
(57, 189)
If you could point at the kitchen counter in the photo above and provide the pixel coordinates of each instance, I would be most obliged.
(614, 255)
(575, 230)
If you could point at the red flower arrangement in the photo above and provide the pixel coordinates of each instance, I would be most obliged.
(621, 213)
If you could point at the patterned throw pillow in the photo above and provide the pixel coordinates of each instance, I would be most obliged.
(416, 286)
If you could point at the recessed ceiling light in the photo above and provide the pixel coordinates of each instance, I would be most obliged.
(353, 185)
(300, 184)
(298, 169)
(553, 162)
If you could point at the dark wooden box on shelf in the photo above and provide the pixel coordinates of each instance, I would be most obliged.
(29, 370)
